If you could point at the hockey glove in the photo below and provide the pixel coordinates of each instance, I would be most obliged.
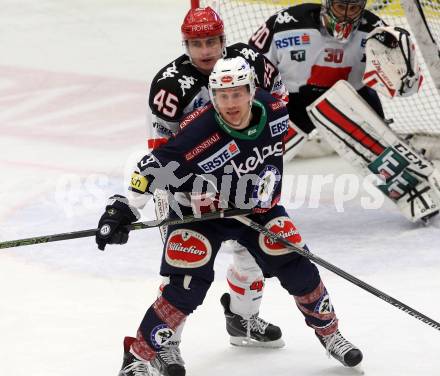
(113, 225)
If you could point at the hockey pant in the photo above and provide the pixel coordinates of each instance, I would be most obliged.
(244, 276)
(188, 259)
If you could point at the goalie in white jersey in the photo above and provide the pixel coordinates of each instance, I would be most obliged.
(316, 46)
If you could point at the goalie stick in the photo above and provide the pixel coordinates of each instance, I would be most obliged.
(325, 264)
(135, 226)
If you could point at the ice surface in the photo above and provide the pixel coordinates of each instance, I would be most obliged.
(74, 78)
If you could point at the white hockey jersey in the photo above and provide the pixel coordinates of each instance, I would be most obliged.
(306, 54)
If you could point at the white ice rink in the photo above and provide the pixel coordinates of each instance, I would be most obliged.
(73, 81)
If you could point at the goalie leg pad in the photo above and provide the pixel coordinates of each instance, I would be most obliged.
(360, 136)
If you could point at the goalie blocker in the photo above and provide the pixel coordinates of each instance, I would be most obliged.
(360, 136)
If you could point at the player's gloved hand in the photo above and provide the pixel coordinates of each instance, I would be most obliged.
(112, 227)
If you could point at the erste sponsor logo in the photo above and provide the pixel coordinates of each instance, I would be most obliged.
(294, 40)
(219, 159)
(279, 126)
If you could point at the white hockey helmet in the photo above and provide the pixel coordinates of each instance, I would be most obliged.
(231, 72)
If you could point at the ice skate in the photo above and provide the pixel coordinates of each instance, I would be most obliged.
(167, 362)
(254, 332)
(341, 349)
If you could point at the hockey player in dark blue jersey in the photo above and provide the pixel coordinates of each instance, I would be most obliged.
(237, 143)
(178, 89)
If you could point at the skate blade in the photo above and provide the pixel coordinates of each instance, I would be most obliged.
(250, 342)
(358, 369)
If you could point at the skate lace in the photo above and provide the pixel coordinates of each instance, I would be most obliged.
(336, 344)
(255, 324)
(139, 368)
(171, 355)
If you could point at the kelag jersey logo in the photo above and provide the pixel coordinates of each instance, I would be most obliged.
(220, 158)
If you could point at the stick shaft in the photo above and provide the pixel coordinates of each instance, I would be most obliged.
(134, 226)
(325, 264)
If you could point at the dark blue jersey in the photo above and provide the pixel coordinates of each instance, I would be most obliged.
(244, 167)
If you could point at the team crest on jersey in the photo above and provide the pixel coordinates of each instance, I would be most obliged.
(219, 158)
(279, 126)
(187, 249)
(268, 181)
(161, 335)
(284, 227)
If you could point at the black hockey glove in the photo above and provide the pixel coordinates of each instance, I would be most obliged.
(112, 227)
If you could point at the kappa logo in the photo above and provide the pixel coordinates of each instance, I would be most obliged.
(249, 54)
(170, 72)
(187, 249)
(279, 126)
(252, 162)
(298, 55)
(285, 17)
(219, 159)
(186, 82)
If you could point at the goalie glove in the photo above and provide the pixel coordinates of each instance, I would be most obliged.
(392, 67)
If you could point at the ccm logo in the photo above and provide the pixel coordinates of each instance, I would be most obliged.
(226, 79)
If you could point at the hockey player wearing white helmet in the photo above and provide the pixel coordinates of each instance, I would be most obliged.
(244, 129)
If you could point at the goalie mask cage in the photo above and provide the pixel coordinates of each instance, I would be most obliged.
(417, 114)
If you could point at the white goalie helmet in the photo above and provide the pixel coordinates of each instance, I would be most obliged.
(231, 72)
(341, 18)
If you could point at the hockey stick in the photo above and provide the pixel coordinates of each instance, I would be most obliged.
(135, 226)
(325, 264)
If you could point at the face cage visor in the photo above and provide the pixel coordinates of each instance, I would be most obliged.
(338, 20)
